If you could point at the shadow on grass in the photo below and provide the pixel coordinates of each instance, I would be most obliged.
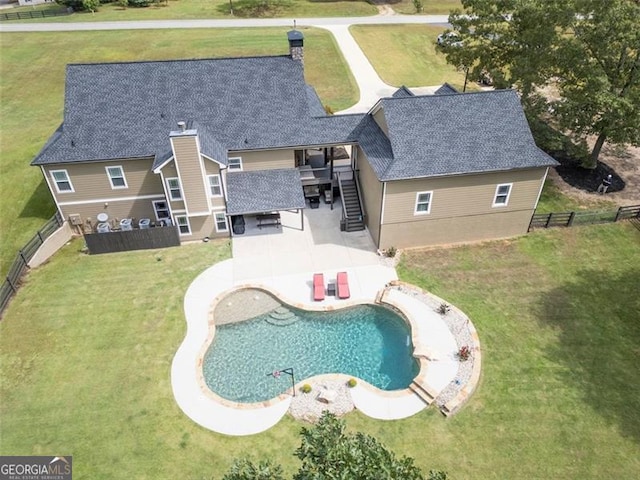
(599, 320)
(40, 203)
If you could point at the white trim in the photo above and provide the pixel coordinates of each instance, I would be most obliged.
(219, 208)
(495, 195)
(226, 222)
(211, 194)
(384, 200)
(159, 168)
(234, 169)
(116, 199)
(222, 165)
(124, 178)
(544, 179)
(417, 202)
(177, 224)
(169, 189)
(155, 211)
(68, 180)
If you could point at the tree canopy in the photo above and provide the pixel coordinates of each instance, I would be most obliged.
(327, 452)
(587, 50)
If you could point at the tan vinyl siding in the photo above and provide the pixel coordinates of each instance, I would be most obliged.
(190, 171)
(135, 209)
(90, 180)
(210, 167)
(202, 226)
(462, 195)
(461, 208)
(444, 231)
(381, 121)
(170, 171)
(371, 194)
(265, 159)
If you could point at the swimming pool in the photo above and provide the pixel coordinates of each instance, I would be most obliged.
(366, 341)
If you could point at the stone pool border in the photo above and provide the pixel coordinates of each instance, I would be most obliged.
(236, 419)
(309, 307)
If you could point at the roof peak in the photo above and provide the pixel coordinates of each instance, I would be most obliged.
(181, 60)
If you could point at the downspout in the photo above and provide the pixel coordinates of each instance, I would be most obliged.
(381, 221)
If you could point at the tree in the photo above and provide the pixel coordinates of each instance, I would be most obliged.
(589, 50)
(327, 453)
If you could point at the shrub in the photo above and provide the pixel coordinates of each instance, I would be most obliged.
(464, 353)
(391, 252)
(444, 308)
(419, 6)
(352, 383)
(139, 3)
(306, 388)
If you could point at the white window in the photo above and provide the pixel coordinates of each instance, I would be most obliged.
(62, 181)
(423, 203)
(221, 222)
(214, 185)
(162, 209)
(501, 198)
(116, 177)
(234, 163)
(183, 224)
(173, 185)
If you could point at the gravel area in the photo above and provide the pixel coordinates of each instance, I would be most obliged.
(458, 324)
(307, 406)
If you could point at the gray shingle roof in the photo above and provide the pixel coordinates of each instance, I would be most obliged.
(435, 135)
(264, 191)
(403, 92)
(126, 110)
(445, 89)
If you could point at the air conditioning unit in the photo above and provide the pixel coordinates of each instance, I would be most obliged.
(103, 227)
(144, 223)
(126, 224)
(75, 219)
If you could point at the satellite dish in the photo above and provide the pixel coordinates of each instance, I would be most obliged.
(102, 217)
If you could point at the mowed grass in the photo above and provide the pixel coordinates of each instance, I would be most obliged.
(441, 7)
(86, 348)
(204, 9)
(32, 93)
(552, 200)
(406, 55)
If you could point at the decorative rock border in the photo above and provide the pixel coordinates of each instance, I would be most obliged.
(451, 399)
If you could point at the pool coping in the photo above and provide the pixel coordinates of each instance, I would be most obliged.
(232, 418)
(423, 364)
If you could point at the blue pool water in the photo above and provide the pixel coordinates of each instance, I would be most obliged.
(366, 341)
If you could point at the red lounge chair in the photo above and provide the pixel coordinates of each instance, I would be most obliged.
(318, 287)
(343, 285)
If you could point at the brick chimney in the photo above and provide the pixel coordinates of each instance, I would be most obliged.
(296, 45)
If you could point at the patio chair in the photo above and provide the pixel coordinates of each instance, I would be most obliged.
(318, 287)
(343, 285)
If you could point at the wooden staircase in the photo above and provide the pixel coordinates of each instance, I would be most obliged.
(351, 206)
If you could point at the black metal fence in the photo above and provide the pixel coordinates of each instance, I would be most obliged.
(569, 219)
(12, 280)
(138, 239)
(33, 14)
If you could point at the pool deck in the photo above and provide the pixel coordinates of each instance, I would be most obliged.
(284, 264)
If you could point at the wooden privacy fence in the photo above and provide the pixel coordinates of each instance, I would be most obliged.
(12, 280)
(568, 219)
(34, 14)
(138, 239)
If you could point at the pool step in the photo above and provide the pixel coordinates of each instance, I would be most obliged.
(281, 317)
(422, 391)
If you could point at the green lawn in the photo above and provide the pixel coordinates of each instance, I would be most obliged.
(553, 200)
(406, 55)
(203, 9)
(86, 348)
(32, 93)
(440, 7)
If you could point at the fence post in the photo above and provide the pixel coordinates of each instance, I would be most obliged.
(13, 287)
(618, 214)
(546, 225)
(570, 221)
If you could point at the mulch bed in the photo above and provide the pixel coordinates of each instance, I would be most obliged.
(587, 179)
